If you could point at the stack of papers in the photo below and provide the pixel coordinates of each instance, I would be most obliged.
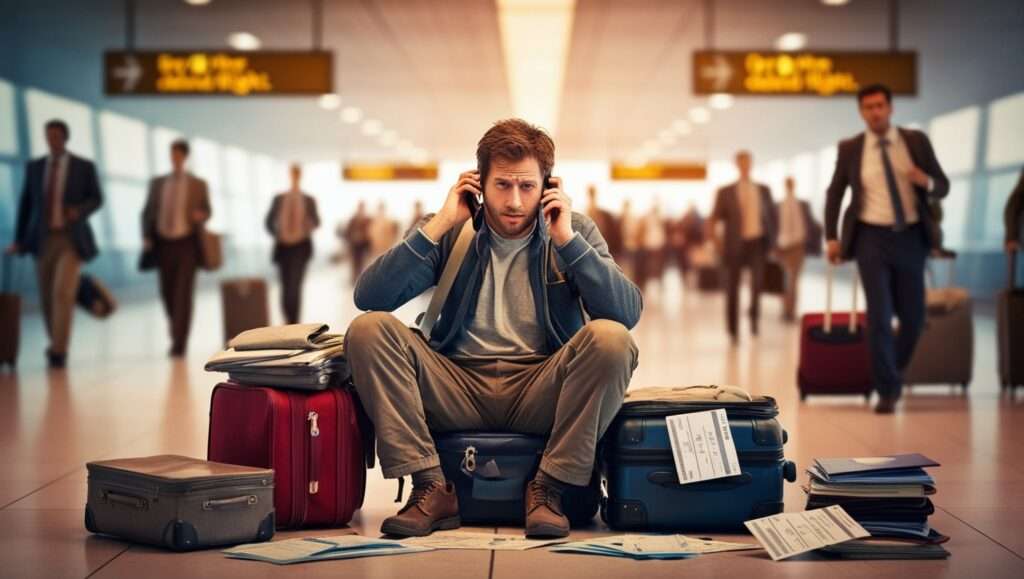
(470, 540)
(650, 546)
(887, 495)
(320, 549)
(295, 355)
(788, 534)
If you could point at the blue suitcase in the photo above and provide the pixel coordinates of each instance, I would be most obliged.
(643, 490)
(490, 471)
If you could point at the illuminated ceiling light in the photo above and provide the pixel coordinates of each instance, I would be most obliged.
(721, 101)
(243, 41)
(536, 70)
(835, 2)
(700, 115)
(197, 2)
(791, 41)
(667, 137)
(388, 138)
(330, 101)
(372, 127)
(351, 115)
(682, 126)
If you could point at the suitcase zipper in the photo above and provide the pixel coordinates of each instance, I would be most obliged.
(661, 457)
(732, 409)
(314, 452)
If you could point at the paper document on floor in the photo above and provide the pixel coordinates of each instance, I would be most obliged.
(470, 540)
(651, 546)
(320, 549)
(788, 534)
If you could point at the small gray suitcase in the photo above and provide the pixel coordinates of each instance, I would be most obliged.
(180, 503)
(945, 350)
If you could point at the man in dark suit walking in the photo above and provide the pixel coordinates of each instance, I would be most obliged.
(176, 208)
(888, 229)
(61, 191)
(748, 213)
(1013, 216)
(291, 220)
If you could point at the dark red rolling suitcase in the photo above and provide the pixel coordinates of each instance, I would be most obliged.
(834, 354)
(1010, 327)
(314, 441)
(10, 315)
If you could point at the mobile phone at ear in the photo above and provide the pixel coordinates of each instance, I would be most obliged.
(549, 184)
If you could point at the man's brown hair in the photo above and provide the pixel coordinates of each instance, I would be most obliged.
(515, 140)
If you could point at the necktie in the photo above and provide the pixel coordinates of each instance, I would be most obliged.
(894, 190)
(53, 193)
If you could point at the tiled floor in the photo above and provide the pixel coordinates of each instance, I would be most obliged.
(123, 397)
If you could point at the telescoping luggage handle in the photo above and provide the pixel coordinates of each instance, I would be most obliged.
(828, 301)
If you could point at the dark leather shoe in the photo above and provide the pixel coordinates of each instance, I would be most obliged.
(544, 517)
(56, 360)
(886, 405)
(431, 508)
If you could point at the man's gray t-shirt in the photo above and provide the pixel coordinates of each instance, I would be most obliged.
(505, 324)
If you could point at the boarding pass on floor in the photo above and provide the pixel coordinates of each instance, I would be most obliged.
(788, 534)
(702, 446)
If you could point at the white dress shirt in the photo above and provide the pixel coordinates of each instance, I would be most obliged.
(876, 205)
(750, 210)
(792, 226)
(60, 164)
(172, 223)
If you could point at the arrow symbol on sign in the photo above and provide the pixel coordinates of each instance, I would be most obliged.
(719, 73)
(130, 72)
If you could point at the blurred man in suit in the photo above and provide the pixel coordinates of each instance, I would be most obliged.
(1013, 216)
(177, 207)
(796, 233)
(291, 220)
(357, 235)
(892, 173)
(747, 211)
(61, 191)
(607, 224)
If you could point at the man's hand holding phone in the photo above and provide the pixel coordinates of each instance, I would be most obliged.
(459, 205)
(557, 211)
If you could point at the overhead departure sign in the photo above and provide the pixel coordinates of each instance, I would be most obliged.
(383, 172)
(802, 73)
(659, 172)
(217, 72)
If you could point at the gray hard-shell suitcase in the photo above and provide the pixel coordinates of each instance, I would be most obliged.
(945, 351)
(180, 503)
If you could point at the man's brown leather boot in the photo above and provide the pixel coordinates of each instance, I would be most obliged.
(431, 508)
(544, 517)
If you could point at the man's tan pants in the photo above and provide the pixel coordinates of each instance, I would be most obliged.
(409, 390)
(58, 266)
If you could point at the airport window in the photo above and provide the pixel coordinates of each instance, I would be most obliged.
(955, 138)
(43, 106)
(8, 198)
(801, 168)
(1005, 144)
(162, 139)
(954, 214)
(129, 198)
(123, 142)
(236, 163)
(8, 126)
(1000, 185)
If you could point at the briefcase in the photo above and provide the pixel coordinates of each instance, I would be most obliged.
(490, 471)
(94, 297)
(210, 254)
(773, 279)
(180, 503)
(643, 489)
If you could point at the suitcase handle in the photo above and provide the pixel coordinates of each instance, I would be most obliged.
(669, 479)
(134, 502)
(243, 501)
(828, 300)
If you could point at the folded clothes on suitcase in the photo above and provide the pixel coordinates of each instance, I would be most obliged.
(834, 353)
(318, 443)
(642, 487)
(180, 503)
(490, 471)
(301, 356)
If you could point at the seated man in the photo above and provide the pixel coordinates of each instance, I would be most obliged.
(532, 338)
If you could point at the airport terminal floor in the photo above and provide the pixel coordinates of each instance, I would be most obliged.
(123, 396)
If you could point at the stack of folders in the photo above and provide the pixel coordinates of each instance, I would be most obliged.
(888, 496)
(303, 356)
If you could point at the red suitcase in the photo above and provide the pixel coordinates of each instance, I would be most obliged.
(316, 443)
(834, 354)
